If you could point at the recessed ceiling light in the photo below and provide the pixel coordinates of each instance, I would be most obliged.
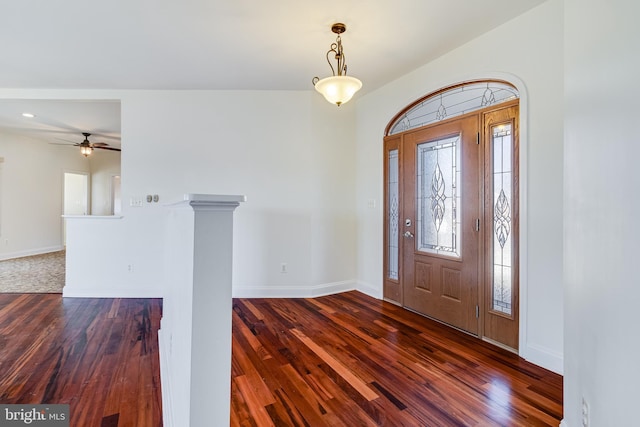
(31, 116)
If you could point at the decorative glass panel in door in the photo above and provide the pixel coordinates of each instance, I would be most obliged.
(392, 208)
(439, 194)
(393, 194)
(502, 214)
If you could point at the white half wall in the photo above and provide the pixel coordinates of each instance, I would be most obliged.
(602, 208)
(519, 52)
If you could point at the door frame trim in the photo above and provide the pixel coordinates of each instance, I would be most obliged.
(524, 349)
(62, 198)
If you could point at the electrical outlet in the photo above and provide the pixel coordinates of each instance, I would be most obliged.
(585, 413)
(130, 268)
(283, 268)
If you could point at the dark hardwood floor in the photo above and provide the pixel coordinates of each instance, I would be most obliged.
(350, 360)
(100, 356)
(341, 360)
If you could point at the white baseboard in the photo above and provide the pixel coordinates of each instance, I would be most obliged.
(544, 357)
(31, 252)
(71, 292)
(165, 382)
(369, 289)
(306, 291)
(293, 291)
(563, 423)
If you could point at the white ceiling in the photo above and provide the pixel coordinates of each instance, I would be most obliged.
(215, 44)
(59, 122)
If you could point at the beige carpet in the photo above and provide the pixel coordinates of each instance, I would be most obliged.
(33, 274)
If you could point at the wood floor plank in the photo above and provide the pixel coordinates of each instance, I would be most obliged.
(255, 402)
(341, 369)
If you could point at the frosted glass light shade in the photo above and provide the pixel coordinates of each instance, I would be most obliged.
(338, 89)
(85, 150)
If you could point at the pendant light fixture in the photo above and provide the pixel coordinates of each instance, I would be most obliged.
(338, 88)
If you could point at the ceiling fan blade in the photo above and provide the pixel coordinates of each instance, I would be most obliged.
(69, 141)
(104, 136)
(101, 145)
(70, 144)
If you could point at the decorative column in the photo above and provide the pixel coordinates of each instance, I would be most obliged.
(195, 333)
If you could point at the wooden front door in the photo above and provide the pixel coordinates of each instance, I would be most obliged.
(451, 225)
(439, 224)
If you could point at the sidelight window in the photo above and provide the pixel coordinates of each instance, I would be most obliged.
(502, 173)
(393, 215)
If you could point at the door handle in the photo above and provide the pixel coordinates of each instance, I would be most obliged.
(408, 234)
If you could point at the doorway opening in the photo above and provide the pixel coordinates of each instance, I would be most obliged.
(116, 198)
(75, 197)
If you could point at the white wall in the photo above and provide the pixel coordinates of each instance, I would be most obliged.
(31, 194)
(519, 52)
(290, 153)
(104, 165)
(602, 235)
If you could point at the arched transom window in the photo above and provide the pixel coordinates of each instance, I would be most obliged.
(451, 102)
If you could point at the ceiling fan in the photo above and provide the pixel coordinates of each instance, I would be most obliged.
(86, 147)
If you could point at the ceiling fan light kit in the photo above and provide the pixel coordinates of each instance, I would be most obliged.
(85, 150)
(339, 88)
(86, 147)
